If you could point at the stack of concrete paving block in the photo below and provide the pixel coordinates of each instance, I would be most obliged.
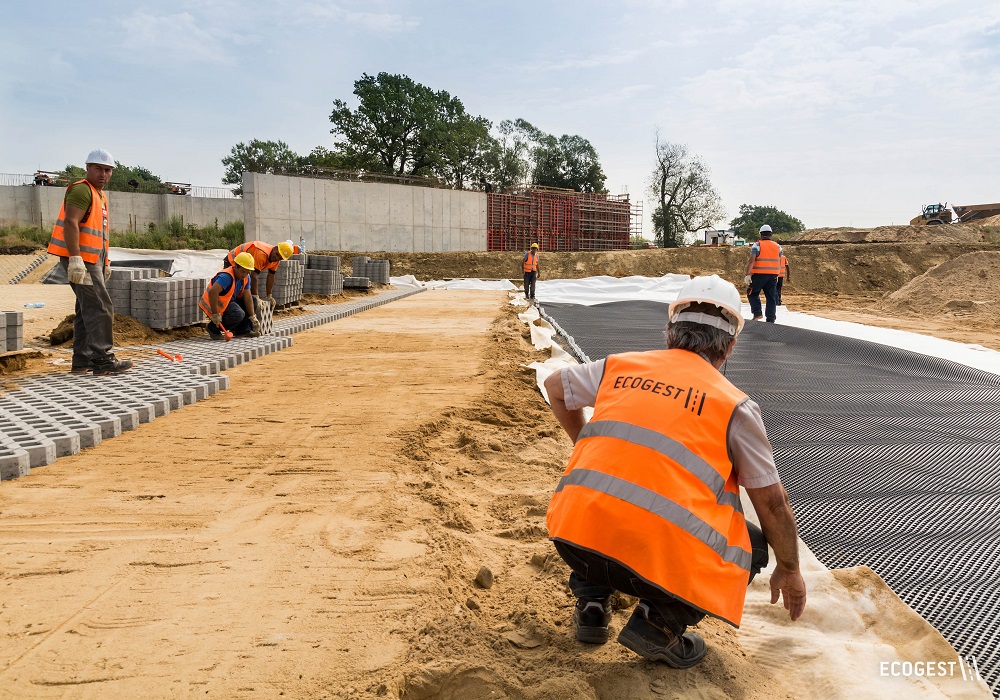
(324, 262)
(288, 281)
(322, 282)
(11, 331)
(120, 286)
(357, 283)
(375, 270)
(167, 302)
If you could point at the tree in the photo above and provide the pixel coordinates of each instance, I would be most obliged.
(507, 159)
(256, 157)
(145, 181)
(569, 161)
(751, 217)
(686, 200)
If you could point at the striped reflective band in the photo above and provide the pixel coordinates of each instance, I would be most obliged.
(668, 447)
(83, 248)
(659, 506)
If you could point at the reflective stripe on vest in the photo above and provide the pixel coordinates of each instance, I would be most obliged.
(225, 297)
(768, 259)
(93, 229)
(665, 506)
(781, 269)
(531, 262)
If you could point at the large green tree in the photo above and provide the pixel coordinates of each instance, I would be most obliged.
(684, 195)
(567, 161)
(752, 216)
(256, 157)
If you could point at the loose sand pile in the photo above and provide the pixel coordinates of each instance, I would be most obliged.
(966, 288)
(955, 233)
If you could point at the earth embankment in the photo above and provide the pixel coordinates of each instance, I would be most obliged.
(842, 269)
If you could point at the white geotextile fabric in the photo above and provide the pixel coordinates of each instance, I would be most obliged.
(202, 264)
(468, 283)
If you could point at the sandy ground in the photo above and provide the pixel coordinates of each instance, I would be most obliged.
(318, 529)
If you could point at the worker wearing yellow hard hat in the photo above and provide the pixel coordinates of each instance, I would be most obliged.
(265, 257)
(228, 303)
(529, 263)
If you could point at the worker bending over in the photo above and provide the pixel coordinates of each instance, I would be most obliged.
(762, 275)
(649, 503)
(265, 257)
(228, 303)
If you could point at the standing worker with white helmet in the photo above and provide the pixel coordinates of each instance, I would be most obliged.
(649, 504)
(80, 239)
(762, 275)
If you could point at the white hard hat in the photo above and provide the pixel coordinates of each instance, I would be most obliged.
(764, 228)
(709, 290)
(101, 157)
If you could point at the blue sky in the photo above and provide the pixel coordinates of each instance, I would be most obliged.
(840, 113)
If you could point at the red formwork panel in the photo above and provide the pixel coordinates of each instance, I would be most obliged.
(560, 220)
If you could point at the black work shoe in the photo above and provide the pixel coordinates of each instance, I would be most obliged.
(592, 619)
(660, 643)
(79, 370)
(112, 367)
(215, 336)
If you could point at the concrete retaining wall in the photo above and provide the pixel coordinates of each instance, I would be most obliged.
(362, 216)
(27, 205)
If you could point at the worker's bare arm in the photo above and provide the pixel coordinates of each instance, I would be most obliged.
(213, 298)
(71, 229)
(750, 262)
(778, 523)
(571, 421)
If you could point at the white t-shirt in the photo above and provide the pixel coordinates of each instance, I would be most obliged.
(746, 440)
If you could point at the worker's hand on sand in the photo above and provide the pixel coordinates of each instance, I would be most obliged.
(77, 271)
(792, 589)
(748, 279)
(216, 319)
(255, 324)
(107, 272)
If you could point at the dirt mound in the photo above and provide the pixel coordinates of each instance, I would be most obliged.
(956, 233)
(967, 287)
(127, 331)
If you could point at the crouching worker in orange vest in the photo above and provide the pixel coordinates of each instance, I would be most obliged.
(228, 303)
(650, 504)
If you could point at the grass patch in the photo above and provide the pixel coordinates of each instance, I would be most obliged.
(174, 235)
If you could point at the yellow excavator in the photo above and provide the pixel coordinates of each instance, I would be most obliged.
(932, 215)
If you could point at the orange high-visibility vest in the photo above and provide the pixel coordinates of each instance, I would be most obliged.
(650, 484)
(781, 270)
(261, 253)
(93, 229)
(225, 297)
(531, 261)
(768, 260)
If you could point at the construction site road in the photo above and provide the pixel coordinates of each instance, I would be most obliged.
(257, 542)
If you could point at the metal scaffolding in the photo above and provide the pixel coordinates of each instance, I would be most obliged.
(559, 219)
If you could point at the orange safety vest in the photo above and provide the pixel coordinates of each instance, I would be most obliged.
(93, 229)
(781, 270)
(650, 484)
(531, 261)
(768, 260)
(225, 297)
(261, 253)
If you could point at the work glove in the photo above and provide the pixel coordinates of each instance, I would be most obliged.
(107, 273)
(255, 324)
(272, 301)
(216, 319)
(748, 279)
(77, 271)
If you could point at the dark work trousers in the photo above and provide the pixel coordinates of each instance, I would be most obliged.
(778, 287)
(92, 337)
(595, 577)
(235, 318)
(529, 284)
(769, 285)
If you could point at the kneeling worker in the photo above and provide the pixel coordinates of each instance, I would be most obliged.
(650, 503)
(228, 303)
(265, 257)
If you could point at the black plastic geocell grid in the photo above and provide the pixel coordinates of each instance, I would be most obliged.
(891, 458)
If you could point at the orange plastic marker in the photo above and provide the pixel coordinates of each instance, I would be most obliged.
(166, 355)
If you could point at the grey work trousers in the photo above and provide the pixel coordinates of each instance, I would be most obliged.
(92, 336)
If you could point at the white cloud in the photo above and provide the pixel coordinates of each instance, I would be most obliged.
(377, 22)
(178, 38)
